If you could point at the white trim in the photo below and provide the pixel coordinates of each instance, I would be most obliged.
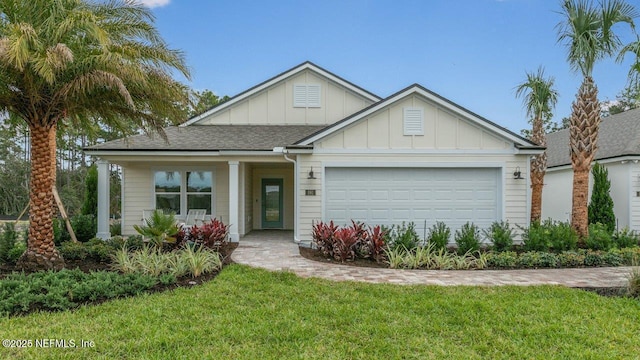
(183, 185)
(410, 91)
(630, 196)
(601, 161)
(412, 164)
(529, 193)
(103, 199)
(123, 205)
(165, 153)
(234, 235)
(296, 198)
(414, 151)
(269, 83)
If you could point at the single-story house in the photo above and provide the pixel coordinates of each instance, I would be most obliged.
(308, 145)
(618, 151)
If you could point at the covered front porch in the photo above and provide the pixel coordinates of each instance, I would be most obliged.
(248, 193)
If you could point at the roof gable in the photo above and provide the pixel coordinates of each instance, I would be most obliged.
(291, 73)
(417, 89)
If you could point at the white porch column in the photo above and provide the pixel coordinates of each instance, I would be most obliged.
(103, 200)
(234, 198)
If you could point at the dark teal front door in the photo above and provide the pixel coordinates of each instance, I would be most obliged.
(272, 203)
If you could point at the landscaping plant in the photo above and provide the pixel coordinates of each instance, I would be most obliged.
(599, 237)
(8, 240)
(159, 228)
(601, 206)
(625, 238)
(468, 238)
(500, 235)
(212, 234)
(439, 235)
(402, 236)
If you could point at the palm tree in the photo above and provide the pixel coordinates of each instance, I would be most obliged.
(539, 98)
(67, 61)
(587, 32)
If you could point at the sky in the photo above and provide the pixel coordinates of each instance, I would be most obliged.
(472, 52)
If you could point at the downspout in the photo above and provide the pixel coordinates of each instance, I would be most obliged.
(296, 206)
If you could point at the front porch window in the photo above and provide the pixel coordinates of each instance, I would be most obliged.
(179, 191)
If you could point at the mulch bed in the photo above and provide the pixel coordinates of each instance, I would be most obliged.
(316, 255)
(89, 265)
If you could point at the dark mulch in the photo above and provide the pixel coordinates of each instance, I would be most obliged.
(316, 255)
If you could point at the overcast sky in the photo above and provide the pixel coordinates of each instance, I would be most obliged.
(473, 52)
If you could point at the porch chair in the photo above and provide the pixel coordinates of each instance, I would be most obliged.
(195, 216)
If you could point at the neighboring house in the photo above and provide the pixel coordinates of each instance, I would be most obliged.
(618, 150)
(307, 145)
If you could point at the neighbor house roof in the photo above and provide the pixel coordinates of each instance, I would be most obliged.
(518, 140)
(213, 138)
(308, 65)
(619, 135)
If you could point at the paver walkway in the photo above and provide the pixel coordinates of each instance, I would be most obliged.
(276, 251)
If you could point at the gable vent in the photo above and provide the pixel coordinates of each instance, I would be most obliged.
(306, 95)
(413, 121)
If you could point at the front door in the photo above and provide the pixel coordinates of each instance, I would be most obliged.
(272, 203)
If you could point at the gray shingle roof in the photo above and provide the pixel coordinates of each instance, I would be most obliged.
(619, 136)
(213, 138)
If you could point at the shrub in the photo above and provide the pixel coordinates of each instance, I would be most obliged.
(528, 259)
(547, 260)
(600, 208)
(159, 228)
(90, 204)
(593, 258)
(99, 250)
(439, 235)
(115, 228)
(467, 238)
(199, 261)
(344, 247)
(402, 236)
(501, 235)
(73, 250)
(374, 244)
(571, 259)
(625, 238)
(8, 240)
(131, 243)
(84, 226)
(14, 254)
(630, 255)
(599, 237)
(65, 289)
(502, 260)
(60, 233)
(562, 237)
(536, 237)
(613, 257)
(191, 260)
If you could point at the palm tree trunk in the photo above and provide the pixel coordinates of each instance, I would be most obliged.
(583, 143)
(538, 169)
(41, 251)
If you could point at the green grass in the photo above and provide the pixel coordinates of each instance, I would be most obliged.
(253, 314)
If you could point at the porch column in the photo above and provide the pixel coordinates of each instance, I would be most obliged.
(103, 200)
(234, 198)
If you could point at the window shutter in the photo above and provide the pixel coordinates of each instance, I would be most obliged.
(413, 121)
(299, 95)
(313, 95)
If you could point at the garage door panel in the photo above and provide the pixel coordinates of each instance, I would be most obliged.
(392, 195)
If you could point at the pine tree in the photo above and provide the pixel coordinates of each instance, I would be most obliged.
(601, 205)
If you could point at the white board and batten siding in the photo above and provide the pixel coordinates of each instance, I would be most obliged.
(384, 169)
(325, 103)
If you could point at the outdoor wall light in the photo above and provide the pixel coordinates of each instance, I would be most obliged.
(517, 174)
(311, 174)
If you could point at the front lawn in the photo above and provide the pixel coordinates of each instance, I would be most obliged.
(247, 313)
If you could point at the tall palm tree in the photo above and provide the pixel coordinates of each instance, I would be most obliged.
(539, 99)
(587, 32)
(66, 61)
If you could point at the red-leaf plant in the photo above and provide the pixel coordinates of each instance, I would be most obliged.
(376, 243)
(324, 237)
(211, 234)
(345, 244)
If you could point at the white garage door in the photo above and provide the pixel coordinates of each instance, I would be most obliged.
(388, 196)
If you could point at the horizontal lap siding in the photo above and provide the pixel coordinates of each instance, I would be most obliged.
(138, 195)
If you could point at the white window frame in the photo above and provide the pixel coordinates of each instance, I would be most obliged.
(302, 98)
(183, 188)
(411, 117)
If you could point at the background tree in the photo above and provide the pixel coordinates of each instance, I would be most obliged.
(68, 61)
(539, 98)
(587, 31)
(90, 204)
(601, 205)
(203, 101)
